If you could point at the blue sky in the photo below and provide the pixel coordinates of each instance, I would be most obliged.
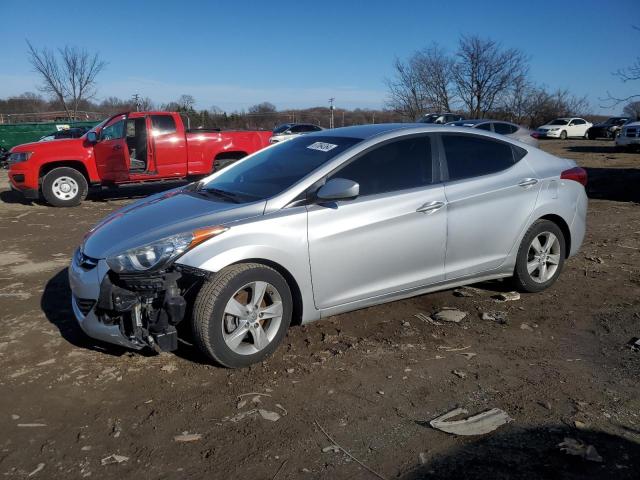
(298, 54)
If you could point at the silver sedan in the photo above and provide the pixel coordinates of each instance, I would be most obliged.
(324, 224)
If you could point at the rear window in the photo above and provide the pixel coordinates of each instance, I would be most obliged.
(504, 128)
(274, 169)
(163, 124)
(281, 128)
(470, 156)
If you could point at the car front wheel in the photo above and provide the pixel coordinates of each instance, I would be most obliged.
(563, 135)
(540, 257)
(242, 314)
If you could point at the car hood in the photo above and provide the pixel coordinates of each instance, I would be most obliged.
(40, 146)
(549, 127)
(159, 216)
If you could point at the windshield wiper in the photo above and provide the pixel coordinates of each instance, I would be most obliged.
(222, 194)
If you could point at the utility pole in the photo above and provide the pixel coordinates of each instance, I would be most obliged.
(136, 101)
(331, 100)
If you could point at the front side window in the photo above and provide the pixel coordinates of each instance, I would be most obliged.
(163, 124)
(484, 126)
(578, 121)
(470, 156)
(113, 131)
(273, 170)
(398, 165)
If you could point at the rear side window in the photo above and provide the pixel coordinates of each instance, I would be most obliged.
(163, 124)
(484, 126)
(470, 156)
(398, 165)
(504, 128)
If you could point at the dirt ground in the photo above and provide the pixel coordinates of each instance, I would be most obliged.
(560, 366)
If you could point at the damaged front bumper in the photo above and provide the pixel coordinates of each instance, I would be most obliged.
(133, 311)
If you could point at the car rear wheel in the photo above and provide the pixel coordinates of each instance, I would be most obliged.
(64, 187)
(563, 135)
(540, 257)
(242, 314)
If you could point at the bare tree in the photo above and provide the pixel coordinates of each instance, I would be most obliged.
(261, 108)
(406, 95)
(68, 74)
(433, 68)
(186, 102)
(627, 74)
(632, 110)
(484, 73)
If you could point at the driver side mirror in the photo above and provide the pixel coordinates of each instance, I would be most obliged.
(92, 137)
(338, 189)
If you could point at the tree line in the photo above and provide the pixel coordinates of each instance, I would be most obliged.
(480, 79)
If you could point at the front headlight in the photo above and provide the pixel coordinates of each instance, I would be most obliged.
(554, 129)
(18, 157)
(159, 254)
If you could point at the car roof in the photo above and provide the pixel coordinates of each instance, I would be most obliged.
(368, 131)
(365, 132)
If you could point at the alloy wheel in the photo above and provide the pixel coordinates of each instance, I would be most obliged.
(252, 318)
(543, 257)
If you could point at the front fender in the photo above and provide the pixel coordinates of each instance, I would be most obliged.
(279, 238)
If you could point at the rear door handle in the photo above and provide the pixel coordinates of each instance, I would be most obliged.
(117, 147)
(430, 207)
(528, 182)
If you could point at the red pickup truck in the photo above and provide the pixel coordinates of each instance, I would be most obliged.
(125, 148)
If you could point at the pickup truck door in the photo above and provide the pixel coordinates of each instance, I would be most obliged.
(168, 146)
(111, 154)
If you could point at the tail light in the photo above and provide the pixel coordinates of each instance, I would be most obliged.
(576, 174)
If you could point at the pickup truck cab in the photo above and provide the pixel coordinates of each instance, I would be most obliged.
(126, 148)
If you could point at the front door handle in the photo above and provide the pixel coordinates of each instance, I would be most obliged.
(528, 182)
(117, 147)
(430, 207)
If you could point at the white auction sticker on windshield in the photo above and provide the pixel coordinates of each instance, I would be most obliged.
(323, 147)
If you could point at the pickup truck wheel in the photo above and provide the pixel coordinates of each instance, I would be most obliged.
(64, 187)
(242, 314)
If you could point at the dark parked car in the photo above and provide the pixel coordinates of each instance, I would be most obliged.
(440, 118)
(75, 132)
(607, 129)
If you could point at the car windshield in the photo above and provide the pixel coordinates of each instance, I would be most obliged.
(559, 121)
(274, 169)
(282, 128)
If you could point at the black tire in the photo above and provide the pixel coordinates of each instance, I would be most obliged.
(49, 186)
(522, 278)
(563, 135)
(208, 312)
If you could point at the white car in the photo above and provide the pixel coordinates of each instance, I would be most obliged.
(287, 131)
(629, 136)
(564, 128)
